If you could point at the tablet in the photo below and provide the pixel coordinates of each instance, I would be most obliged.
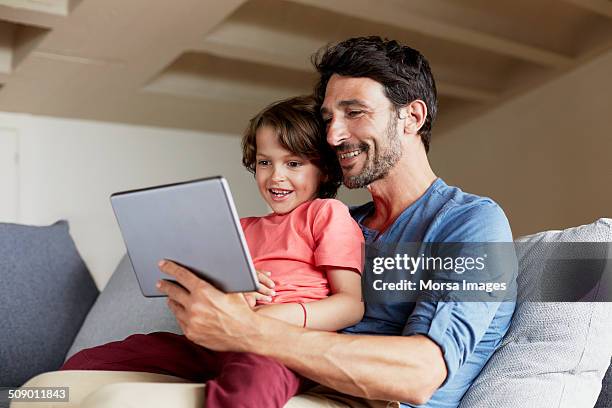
(192, 223)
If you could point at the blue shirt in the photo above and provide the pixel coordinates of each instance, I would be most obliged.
(467, 332)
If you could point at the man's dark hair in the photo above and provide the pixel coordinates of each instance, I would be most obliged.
(298, 126)
(403, 72)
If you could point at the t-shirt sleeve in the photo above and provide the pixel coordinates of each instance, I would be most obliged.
(458, 326)
(338, 238)
(455, 326)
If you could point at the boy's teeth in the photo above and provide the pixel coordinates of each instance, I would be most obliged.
(350, 154)
(279, 192)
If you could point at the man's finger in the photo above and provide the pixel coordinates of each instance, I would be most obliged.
(178, 311)
(173, 291)
(182, 275)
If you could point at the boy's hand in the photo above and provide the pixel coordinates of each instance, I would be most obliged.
(265, 292)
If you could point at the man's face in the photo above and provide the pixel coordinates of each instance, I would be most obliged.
(362, 127)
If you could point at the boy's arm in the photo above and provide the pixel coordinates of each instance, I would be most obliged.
(342, 309)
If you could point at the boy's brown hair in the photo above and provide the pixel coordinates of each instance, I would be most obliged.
(301, 131)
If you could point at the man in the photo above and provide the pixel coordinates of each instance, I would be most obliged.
(378, 100)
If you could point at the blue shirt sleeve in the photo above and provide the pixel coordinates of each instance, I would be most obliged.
(458, 326)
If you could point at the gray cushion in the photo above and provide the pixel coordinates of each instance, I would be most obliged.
(45, 293)
(555, 354)
(605, 398)
(122, 310)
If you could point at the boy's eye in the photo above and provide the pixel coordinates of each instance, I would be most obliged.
(294, 163)
(263, 162)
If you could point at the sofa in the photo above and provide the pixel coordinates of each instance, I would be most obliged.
(555, 354)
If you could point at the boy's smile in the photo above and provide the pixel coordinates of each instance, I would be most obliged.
(285, 180)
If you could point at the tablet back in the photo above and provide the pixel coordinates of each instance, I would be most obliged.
(194, 224)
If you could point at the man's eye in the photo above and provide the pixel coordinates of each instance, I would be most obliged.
(294, 163)
(263, 162)
(354, 113)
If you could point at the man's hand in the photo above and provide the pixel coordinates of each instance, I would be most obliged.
(266, 289)
(207, 316)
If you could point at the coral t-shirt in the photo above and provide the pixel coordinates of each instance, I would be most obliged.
(298, 247)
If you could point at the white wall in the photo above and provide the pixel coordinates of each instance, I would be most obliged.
(546, 157)
(68, 168)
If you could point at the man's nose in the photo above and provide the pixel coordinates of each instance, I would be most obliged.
(336, 132)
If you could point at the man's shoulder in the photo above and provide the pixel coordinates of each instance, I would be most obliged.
(470, 217)
(464, 205)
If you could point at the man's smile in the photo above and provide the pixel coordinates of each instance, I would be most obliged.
(350, 154)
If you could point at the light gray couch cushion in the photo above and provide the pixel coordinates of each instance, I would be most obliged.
(122, 310)
(45, 293)
(554, 354)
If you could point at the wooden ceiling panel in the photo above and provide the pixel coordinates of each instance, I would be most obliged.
(210, 77)
(16, 42)
(552, 25)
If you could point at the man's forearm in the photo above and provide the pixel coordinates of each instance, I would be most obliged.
(407, 369)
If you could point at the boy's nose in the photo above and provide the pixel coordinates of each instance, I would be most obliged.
(278, 174)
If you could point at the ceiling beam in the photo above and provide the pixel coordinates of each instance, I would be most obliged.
(249, 53)
(245, 52)
(465, 92)
(391, 14)
(59, 7)
(28, 17)
(603, 7)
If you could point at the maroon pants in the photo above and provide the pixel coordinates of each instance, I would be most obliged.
(232, 379)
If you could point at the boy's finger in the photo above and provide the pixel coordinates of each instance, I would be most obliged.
(260, 296)
(266, 291)
(265, 279)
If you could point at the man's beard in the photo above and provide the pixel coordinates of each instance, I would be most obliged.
(379, 166)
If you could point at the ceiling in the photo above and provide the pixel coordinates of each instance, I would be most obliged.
(211, 64)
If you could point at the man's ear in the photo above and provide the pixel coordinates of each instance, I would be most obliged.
(414, 115)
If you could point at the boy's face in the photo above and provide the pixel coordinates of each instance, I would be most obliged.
(285, 180)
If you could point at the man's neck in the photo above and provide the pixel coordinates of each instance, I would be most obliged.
(405, 184)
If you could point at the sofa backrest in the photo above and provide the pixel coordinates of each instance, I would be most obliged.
(555, 353)
(122, 310)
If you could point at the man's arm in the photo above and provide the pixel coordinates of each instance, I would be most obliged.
(409, 368)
